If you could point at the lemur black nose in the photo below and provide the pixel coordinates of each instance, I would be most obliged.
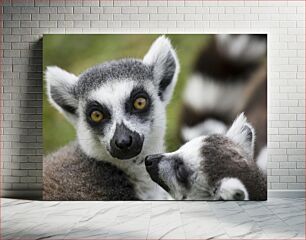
(239, 195)
(150, 160)
(124, 142)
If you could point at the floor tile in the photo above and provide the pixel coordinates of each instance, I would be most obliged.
(273, 219)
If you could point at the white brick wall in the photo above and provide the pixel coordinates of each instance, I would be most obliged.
(24, 22)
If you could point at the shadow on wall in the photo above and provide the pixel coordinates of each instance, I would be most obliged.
(30, 125)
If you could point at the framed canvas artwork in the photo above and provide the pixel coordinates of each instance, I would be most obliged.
(155, 117)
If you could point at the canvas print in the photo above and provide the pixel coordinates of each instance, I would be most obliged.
(155, 117)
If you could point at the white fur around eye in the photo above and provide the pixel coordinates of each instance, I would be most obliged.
(114, 95)
(190, 152)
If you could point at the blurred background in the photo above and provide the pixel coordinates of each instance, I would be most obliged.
(76, 53)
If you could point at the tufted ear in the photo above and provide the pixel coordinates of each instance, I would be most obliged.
(164, 62)
(60, 89)
(243, 133)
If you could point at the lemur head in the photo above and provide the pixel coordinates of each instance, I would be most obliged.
(242, 48)
(118, 107)
(204, 167)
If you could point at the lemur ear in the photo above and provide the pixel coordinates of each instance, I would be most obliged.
(164, 61)
(243, 133)
(60, 89)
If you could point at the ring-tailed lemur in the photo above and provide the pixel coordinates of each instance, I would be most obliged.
(118, 110)
(229, 74)
(213, 167)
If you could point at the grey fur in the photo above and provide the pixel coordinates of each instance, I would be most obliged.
(71, 175)
(223, 160)
(110, 71)
(212, 167)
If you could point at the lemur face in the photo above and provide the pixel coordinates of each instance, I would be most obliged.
(177, 172)
(120, 115)
(118, 107)
(202, 169)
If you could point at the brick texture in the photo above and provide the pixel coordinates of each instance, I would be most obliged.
(25, 21)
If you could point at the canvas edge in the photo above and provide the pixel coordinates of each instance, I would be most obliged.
(37, 194)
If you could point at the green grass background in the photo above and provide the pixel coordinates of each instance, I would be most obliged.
(76, 53)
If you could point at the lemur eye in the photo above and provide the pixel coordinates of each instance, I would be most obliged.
(96, 116)
(140, 103)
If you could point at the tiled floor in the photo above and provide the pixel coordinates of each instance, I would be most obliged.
(274, 219)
